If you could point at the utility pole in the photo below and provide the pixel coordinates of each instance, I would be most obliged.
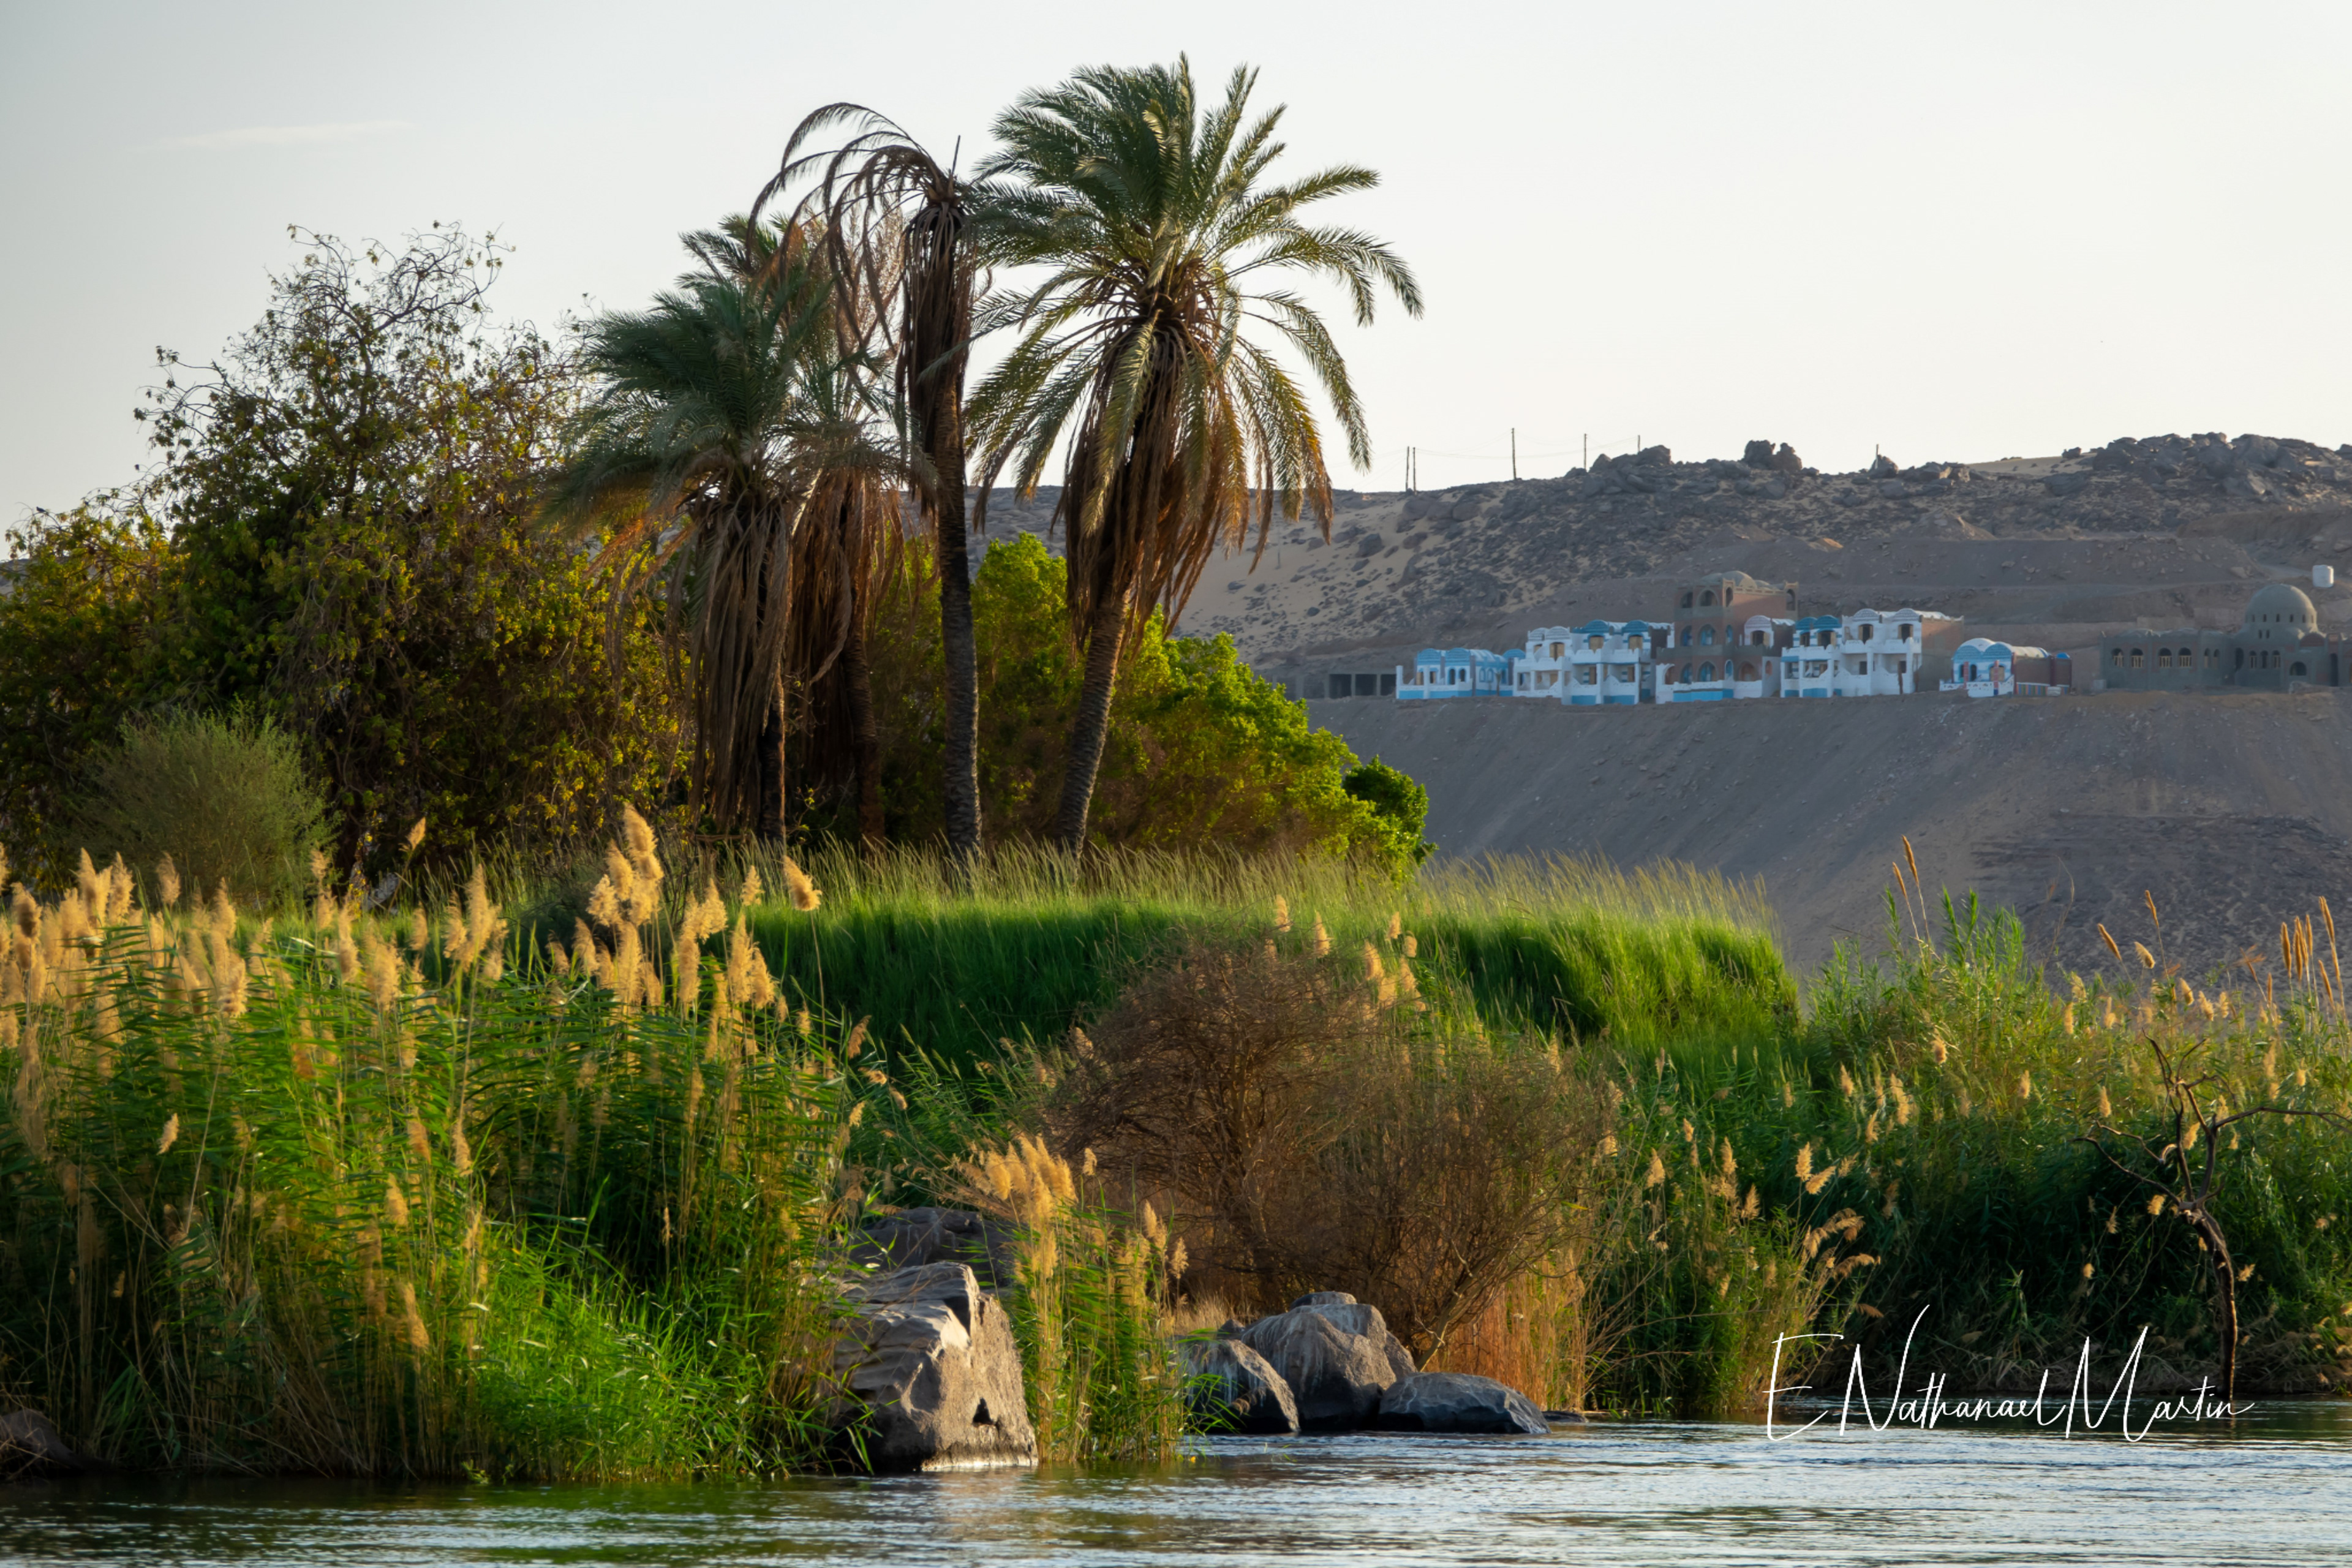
(1588, 451)
(1515, 453)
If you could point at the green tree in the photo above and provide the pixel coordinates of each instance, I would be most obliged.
(1401, 804)
(342, 537)
(1165, 250)
(80, 612)
(1199, 751)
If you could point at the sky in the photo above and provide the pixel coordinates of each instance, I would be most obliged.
(1951, 232)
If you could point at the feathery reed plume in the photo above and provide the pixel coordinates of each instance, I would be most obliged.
(167, 881)
(1373, 963)
(1411, 946)
(804, 894)
(1805, 1163)
(395, 1204)
(415, 836)
(1396, 924)
(171, 1134)
(753, 888)
(2155, 1205)
(2153, 918)
(1281, 913)
(2107, 1106)
(322, 868)
(1656, 1177)
(2110, 941)
(1322, 938)
(1845, 1083)
(2146, 957)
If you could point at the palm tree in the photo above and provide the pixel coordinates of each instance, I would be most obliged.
(849, 541)
(724, 431)
(899, 232)
(1163, 254)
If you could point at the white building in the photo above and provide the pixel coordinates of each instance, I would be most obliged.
(1871, 653)
(1542, 669)
(1454, 672)
(1608, 664)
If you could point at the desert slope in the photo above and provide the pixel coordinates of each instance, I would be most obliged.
(2234, 811)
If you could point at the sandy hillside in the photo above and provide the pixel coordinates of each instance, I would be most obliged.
(2234, 811)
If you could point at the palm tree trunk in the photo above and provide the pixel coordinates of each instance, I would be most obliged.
(1093, 721)
(865, 734)
(771, 763)
(960, 649)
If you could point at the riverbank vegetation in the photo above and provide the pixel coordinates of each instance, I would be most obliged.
(487, 1186)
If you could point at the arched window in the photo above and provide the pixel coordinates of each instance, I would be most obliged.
(1707, 672)
(1686, 601)
(2164, 658)
(1685, 674)
(2297, 668)
(1866, 632)
(1707, 636)
(1707, 597)
(2139, 658)
(1756, 639)
(2237, 659)
(2115, 656)
(1687, 635)
(1747, 672)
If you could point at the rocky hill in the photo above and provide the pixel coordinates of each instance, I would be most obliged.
(2166, 526)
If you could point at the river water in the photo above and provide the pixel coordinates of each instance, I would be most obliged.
(2274, 1487)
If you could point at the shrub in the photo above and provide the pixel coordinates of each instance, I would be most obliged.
(1310, 1125)
(226, 798)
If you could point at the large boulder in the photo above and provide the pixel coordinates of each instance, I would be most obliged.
(1457, 1402)
(908, 1238)
(1229, 1387)
(1336, 1353)
(931, 1376)
(30, 1445)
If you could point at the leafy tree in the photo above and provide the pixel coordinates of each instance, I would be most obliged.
(1199, 751)
(342, 536)
(1401, 804)
(80, 611)
(1162, 243)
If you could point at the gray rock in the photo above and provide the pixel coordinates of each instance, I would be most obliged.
(1759, 455)
(1335, 1374)
(932, 1374)
(1371, 545)
(2216, 459)
(1417, 506)
(1773, 489)
(1893, 490)
(1229, 1387)
(1884, 466)
(1464, 510)
(2248, 486)
(908, 1238)
(28, 1441)
(1786, 461)
(1324, 1298)
(1457, 1402)
(2068, 483)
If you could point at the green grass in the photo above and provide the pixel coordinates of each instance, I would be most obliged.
(1031, 944)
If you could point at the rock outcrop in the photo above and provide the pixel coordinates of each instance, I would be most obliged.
(30, 1445)
(1336, 1353)
(1457, 1402)
(931, 1376)
(1230, 1387)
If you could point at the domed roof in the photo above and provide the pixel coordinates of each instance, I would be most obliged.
(2280, 604)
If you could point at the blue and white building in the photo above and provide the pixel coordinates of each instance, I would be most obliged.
(1454, 672)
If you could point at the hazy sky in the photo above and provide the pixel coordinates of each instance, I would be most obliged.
(1961, 231)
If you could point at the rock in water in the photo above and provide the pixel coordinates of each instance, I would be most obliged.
(1229, 1387)
(27, 1442)
(1336, 1358)
(932, 1373)
(1457, 1402)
